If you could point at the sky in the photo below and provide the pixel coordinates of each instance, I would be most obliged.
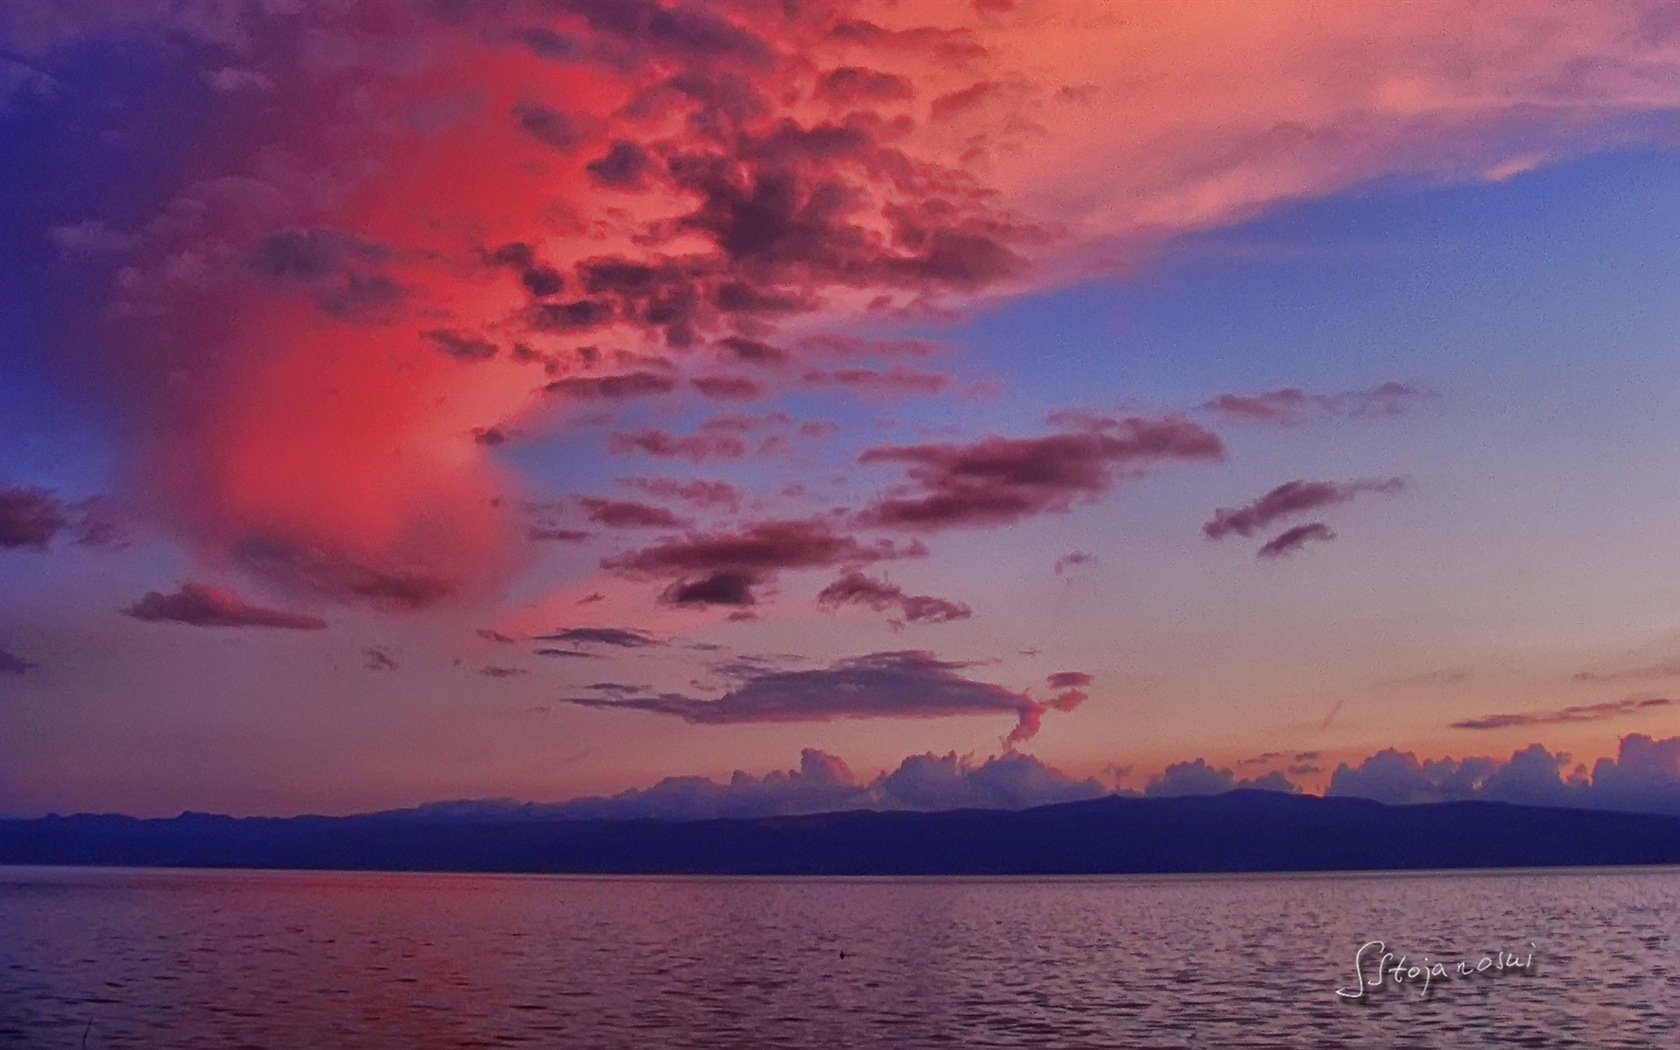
(757, 407)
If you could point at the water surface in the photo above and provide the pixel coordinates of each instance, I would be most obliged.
(186, 959)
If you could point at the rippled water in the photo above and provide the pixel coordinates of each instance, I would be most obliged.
(287, 959)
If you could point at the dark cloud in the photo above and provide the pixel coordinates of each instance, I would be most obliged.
(724, 587)
(619, 637)
(996, 480)
(854, 588)
(724, 568)
(698, 448)
(1291, 540)
(613, 388)
(629, 514)
(461, 347)
(30, 517)
(1292, 497)
(490, 437)
(909, 684)
(1292, 406)
(850, 85)
(35, 517)
(695, 491)
(491, 635)
(862, 346)
(1073, 559)
(568, 653)
(566, 318)
(345, 578)
(753, 351)
(947, 106)
(1666, 669)
(314, 254)
(542, 281)
(494, 671)
(545, 534)
(378, 658)
(11, 663)
(728, 388)
(546, 43)
(549, 126)
(1068, 680)
(359, 296)
(203, 606)
(897, 381)
(1566, 715)
(626, 166)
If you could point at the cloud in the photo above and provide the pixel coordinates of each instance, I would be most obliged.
(1666, 669)
(910, 684)
(34, 518)
(545, 534)
(723, 587)
(1566, 715)
(1290, 498)
(1073, 559)
(1291, 406)
(728, 388)
(851, 85)
(461, 347)
(613, 388)
(754, 351)
(746, 167)
(1199, 778)
(1071, 686)
(625, 166)
(495, 671)
(628, 514)
(697, 448)
(204, 606)
(997, 480)
(378, 658)
(11, 663)
(619, 637)
(824, 784)
(896, 381)
(725, 568)
(1291, 540)
(30, 517)
(695, 491)
(854, 588)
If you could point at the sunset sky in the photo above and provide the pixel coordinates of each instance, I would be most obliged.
(404, 401)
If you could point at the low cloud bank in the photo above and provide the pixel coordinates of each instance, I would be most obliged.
(823, 783)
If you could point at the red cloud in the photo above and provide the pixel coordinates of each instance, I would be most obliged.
(855, 588)
(1291, 540)
(724, 568)
(999, 480)
(1292, 497)
(692, 172)
(1292, 406)
(202, 606)
(628, 514)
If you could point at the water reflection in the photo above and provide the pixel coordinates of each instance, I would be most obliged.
(279, 960)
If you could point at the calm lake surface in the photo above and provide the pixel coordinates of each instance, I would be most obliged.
(184, 959)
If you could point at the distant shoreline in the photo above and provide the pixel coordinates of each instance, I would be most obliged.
(1239, 833)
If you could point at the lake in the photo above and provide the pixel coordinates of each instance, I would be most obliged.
(184, 959)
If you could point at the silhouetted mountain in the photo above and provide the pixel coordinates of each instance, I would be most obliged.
(1243, 831)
